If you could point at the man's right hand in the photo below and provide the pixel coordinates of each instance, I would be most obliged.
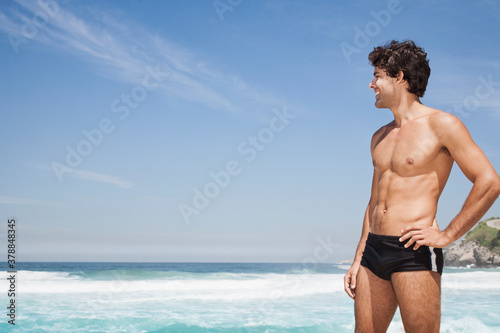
(350, 280)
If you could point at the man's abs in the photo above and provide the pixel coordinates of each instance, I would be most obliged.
(404, 201)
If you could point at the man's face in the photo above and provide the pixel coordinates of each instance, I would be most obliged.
(383, 87)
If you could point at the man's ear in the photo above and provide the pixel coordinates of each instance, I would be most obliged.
(400, 77)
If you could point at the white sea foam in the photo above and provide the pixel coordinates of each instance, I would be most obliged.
(465, 324)
(475, 280)
(293, 284)
(226, 287)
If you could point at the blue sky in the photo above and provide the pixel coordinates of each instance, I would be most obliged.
(218, 130)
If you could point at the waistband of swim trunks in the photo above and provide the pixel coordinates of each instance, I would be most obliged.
(383, 237)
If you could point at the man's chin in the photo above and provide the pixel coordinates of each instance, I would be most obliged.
(380, 105)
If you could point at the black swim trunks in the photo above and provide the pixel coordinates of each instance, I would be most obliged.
(384, 255)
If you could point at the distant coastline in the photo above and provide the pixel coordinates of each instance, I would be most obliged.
(479, 248)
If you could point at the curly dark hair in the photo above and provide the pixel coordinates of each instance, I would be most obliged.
(407, 57)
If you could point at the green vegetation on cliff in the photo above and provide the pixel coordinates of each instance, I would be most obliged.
(485, 235)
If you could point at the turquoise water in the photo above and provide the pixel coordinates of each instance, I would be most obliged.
(214, 297)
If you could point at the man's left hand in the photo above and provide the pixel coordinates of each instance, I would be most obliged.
(421, 235)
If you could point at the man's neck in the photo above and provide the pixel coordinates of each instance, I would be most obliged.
(408, 108)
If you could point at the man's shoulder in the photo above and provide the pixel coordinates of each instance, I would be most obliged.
(443, 122)
(439, 115)
(384, 128)
(376, 137)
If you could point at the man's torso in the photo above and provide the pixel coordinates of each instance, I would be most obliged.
(412, 167)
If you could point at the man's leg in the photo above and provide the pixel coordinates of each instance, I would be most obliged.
(419, 297)
(374, 302)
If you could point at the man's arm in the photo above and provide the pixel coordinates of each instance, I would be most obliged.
(477, 168)
(350, 277)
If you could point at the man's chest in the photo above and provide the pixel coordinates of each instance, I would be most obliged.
(406, 152)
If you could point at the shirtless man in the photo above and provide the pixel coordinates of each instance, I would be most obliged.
(399, 257)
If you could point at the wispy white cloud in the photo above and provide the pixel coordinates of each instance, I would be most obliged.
(122, 52)
(95, 177)
(101, 178)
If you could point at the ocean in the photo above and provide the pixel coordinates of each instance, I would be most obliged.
(218, 297)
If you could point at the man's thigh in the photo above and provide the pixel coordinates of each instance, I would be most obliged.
(374, 302)
(419, 297)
